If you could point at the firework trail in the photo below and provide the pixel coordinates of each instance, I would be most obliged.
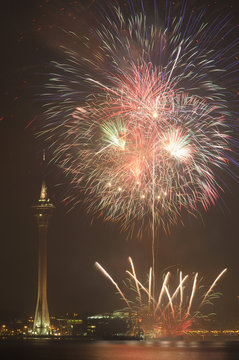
(178, 306)
(138, 115)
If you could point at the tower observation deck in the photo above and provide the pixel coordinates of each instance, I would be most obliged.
(43, 212)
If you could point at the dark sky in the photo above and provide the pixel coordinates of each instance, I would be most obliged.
(28, 43)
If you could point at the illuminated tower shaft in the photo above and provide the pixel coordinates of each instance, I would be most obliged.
(43, 213)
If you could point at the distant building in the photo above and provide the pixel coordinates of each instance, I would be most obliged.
(68, 325)
(109, 325)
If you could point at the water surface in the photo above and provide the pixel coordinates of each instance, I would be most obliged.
(73, 350)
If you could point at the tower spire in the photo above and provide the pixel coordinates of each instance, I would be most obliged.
(43, 195)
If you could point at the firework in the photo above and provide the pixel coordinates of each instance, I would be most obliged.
(141, 125)
(177, 305)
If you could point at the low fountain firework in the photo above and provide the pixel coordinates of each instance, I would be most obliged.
(179, 304)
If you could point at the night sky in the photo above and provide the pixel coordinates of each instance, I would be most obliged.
(29, 41)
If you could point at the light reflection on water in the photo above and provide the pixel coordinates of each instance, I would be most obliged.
(131, 350)
(108, 351)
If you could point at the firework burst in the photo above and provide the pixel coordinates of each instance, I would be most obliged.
(141, 124)
(178, 304)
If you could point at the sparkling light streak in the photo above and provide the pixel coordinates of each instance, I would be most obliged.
(179, 306)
